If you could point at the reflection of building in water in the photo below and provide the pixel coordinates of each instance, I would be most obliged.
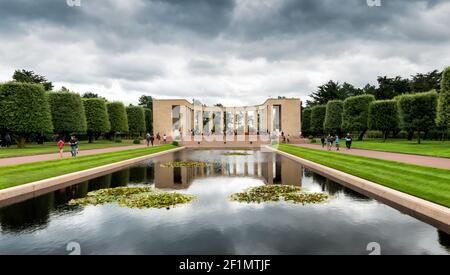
(271, 171)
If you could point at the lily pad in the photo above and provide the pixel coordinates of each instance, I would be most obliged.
(236, 154)
(134, 197)
(185, 164)
(275, 193)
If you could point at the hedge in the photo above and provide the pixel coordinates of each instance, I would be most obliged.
(318, 118)
(355, 113)
(306, 122)
(117, 117)
(443, 109)
(333, 116)
(96, 117)
(383, 116)
(136, 120)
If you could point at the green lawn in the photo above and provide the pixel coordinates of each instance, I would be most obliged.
(427, 148)
(424, 182)
(24, 173)
(50, 148)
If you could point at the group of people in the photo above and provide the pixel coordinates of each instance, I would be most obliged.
(5, 141)
(73, 142)
(334, 139)
(150, 138)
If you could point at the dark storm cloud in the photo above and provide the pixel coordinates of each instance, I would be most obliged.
(217, 48)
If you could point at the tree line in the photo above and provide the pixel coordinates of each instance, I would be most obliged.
(30, 109)
(417, 112)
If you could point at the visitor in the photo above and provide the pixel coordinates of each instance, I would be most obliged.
(73, 142)
(60, 145)
(288, 138)
(152, 139)
(164, 138)
(7, 140)
(322, 139)
(329, 142)
(147, 137)
(158, 138)
(337, 140)
(348, 141)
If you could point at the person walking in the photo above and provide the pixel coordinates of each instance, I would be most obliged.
(158, 138)
(337, 140)
(7, 140)
(329, 142)
(73, 142)
(60, 145)
(348, 141)
(322, 139)
(165, 138)
(152, 139)
(147, 138)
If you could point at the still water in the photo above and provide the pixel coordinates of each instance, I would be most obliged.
(213, 224)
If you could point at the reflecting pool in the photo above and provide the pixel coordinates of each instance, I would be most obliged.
(213, 224)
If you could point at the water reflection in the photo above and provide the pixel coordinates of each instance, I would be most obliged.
(214, 224)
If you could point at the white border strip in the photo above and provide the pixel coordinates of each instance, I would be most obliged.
(417, 205)
(34, 187)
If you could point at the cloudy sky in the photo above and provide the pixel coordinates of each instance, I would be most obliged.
(234, 52)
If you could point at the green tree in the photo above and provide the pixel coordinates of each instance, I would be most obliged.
(31, 77)
(318, 118)
(443, 110)
(93, 95)
(67, 113)
(24, 110)
(388, 88)
(426, 82)
(148, 120)
(354, 116)
(383, 116)
(418, 111)
(96, 117)
(146, 101)
(117, 117)
(333, 116)
(136, 120)
(306, 122)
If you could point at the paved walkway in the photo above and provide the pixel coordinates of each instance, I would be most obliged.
(36, 158)
(406, 158)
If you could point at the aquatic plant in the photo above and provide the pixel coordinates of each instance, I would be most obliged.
(275, 193)
(134, 197)
(185, 164)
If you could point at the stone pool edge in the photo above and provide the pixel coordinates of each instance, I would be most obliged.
(33, 189)
(425, 210)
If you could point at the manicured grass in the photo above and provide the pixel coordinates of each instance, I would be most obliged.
(428, 183)
(426, 148)
(24, 173)
(50, 148)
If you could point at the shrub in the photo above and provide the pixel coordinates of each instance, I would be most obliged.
(313, 140)
(136, 120)
(96, 117)
(317, 118)
(383, 116)
(443, 110)
(24, 110)
(67, 112)
(333, 116)
(117, 117)
(418, 111)
(175, 143)
(355, 113)
(306, 121)
(148, 120)
(136, 141)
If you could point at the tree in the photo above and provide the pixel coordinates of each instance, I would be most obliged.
(67, 113)
(31, 77)
(354, 116)
(96, 117)
(306, 121)
(383, 116)
(347, 90)
(146, 101)
(418, 111)
(317, 118)
(443, 110)
(117, 117)
(391, 87)
(136, 120)
(329, 91)
(93, 95)
(24, 110)
(148, 120)
(333, 116)
(426, 82)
